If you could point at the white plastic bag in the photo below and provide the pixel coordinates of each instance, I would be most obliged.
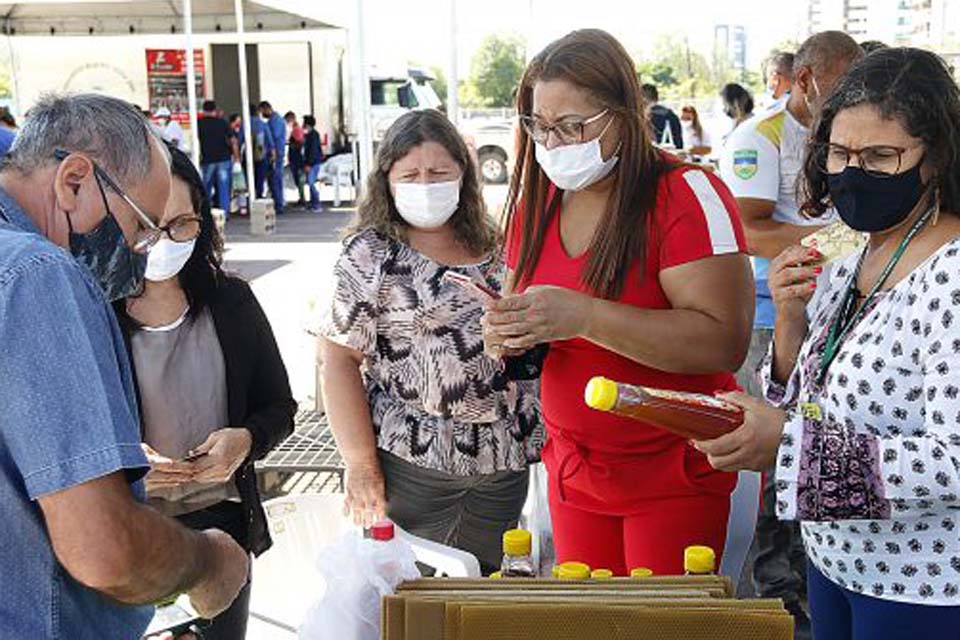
(357, 574)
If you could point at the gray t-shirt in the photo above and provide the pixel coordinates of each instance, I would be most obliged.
(183, 395)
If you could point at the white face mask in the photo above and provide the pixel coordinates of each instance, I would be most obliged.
(167, 258)
(426, 206)
(573, 167)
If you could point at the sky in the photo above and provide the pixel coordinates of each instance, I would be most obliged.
(401, 31)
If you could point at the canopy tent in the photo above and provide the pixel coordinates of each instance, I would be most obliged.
(124, 17)
(232, 18)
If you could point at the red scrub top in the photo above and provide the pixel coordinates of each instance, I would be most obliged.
(599, 461)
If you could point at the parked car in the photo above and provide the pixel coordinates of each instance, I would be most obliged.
(494, 140)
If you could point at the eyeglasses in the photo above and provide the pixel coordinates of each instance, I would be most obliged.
(568, 131)
(881, 161)
(148, 233)
(182, 228)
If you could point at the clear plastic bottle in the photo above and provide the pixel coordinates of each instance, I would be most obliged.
(699, 560)
(517, 555)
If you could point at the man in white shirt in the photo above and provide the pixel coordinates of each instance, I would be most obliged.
(761, 162)
(778, 74)
(170, 129)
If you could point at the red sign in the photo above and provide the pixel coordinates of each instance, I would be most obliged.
(167, 81)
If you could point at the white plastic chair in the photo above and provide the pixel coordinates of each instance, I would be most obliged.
(285, 578)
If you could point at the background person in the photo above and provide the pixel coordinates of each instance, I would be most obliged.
(210, 380)
(629, 265)
(313, 160)
(295, 153)
(778, 76)
(433, 435)
(665, 123)
(760, 163)
(218, 151)
(81, 553)
(737, 104)
(171, 129)
(866, 431)
(696, 140)
(275, 133)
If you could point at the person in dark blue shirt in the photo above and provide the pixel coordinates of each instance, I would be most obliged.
(276, 133)
(312, 160)
(661, 118)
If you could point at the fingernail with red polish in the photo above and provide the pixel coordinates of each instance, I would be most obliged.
(818, 270)
(813, 286)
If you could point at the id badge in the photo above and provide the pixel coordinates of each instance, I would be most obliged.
(811, 411)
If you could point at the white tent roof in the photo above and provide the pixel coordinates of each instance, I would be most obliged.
(122, 17)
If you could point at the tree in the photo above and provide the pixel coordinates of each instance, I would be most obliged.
(440, 83)
(495, 72)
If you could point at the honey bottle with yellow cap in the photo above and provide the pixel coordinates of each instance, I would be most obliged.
(517, 555)
(690, 415)
(699, 561)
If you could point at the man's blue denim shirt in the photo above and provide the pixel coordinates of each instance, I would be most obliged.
(68, 415)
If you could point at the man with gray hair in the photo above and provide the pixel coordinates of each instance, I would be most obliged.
(778, 75)
(80, 196)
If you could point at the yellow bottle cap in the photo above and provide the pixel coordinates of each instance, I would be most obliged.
(556, 571)
(601, 574)
(641, 572)
(699, 559)
(574, 571)
(495, 575)
(601, 394)
(517, 542)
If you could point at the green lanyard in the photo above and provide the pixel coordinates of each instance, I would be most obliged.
(843, 322)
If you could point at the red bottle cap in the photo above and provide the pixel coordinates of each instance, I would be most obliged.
(382, 531)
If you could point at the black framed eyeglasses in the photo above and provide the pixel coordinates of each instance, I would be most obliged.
(567, 131)
(182, 228)
(881, 161)
(148, 233)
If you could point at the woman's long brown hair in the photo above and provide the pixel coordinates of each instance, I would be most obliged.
(596, 62)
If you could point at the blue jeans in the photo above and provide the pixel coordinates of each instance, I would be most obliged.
(221, 171)
(841, 614)
(312, 182)
(276, 184)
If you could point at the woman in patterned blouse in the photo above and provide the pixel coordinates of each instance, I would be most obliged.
(433, 433)
(865, 431)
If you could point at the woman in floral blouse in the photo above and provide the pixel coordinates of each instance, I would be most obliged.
(865, 431)
(434, 433)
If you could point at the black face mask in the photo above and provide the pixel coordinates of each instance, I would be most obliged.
(118, 269)
(868, 203)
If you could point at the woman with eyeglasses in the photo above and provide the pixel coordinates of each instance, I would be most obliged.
(629, 265)
(214, 395)
(864, 426)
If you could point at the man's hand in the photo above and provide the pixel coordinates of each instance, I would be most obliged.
(226, 450)
(228, 569)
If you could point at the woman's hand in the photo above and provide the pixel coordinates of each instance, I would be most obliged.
(538, 315)
(793, 279)
(226, 450)
(366, 498)
(753, 445)
(165, 472)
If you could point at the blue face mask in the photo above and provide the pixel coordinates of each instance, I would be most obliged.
(104, 251)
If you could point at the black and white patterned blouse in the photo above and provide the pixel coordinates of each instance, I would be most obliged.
(436, 400)
(875, 480)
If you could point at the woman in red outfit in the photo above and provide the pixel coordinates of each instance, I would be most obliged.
(629, 265)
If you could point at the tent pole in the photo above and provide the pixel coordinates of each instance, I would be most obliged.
(191, 81)
(360, 80)
(245, 104)
(453, 78)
